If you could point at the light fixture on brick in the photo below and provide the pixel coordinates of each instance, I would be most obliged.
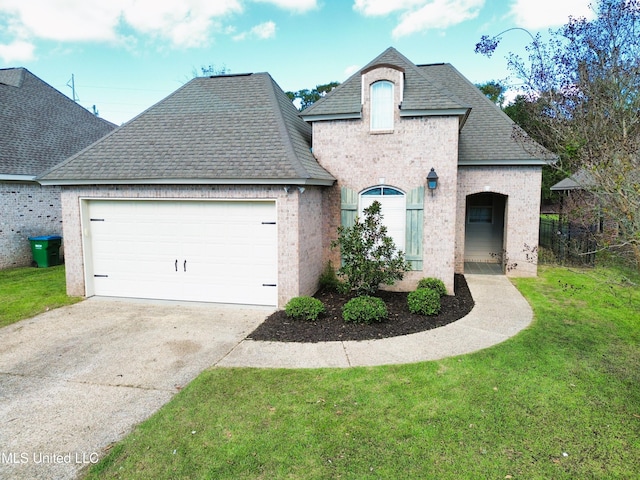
(432, 180)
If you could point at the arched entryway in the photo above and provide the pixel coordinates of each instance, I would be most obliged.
(484, 242)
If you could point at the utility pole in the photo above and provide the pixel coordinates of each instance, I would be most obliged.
(72, 84)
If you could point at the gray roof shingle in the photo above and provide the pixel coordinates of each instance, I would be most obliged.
(489, 136)
(486, 135)
(40, 126)
(419, 92)
(221, 129)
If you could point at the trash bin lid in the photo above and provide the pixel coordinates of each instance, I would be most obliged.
(46, 237)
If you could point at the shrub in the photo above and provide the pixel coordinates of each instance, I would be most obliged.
(424, 301)
(364, 309)
(369, 256)
(329, 280)
(304, 308)
(434, 284)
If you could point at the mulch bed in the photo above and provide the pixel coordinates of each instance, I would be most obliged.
(331, 327)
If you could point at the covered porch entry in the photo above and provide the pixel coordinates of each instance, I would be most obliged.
(484, 243)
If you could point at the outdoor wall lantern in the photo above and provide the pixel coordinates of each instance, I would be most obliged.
(432, 180)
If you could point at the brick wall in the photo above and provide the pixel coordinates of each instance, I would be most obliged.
(26, 210)
(310, 238)
(402, 159)
(521, 186)
(298, 227)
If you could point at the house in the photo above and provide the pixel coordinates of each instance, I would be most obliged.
(580, 209)
(40, 127)
(223, 192)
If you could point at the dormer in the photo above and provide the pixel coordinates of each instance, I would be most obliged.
(368, 93)
(382, 90)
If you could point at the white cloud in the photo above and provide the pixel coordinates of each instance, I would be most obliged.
(183, 23)
(420, 15)
(548, 13)
(384, 7)
(293, 5)
(262, 31)
(186, 23)
(63, 20)
(437, 14)
(18, 51)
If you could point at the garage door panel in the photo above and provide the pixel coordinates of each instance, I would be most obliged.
(230, 250)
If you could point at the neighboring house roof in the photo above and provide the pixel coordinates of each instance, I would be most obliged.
(487, 133)
(239, 129)
(39, 126)
(578, 181)
(420, 96)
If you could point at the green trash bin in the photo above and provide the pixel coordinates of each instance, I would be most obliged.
(46, 250)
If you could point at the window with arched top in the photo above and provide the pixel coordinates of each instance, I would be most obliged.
(381, 106)
(393, 208)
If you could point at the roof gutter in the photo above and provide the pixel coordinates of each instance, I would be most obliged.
(18, 178)
(503, 163)
(332, 116)
(191, 181)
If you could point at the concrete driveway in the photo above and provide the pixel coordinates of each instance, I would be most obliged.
(76, 379)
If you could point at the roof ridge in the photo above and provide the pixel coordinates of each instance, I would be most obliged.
(286, 126)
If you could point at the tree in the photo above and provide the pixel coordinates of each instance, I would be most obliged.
(309, 97)
(582, 97)
(209, 71)
(369, 256)
(494, 91)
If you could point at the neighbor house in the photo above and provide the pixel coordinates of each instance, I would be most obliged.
(224, 192)
(39, 127)
(580, 209)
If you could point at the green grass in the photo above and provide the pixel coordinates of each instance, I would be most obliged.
(560, 400)
(25, 292)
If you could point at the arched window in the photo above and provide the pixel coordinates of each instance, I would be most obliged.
(382, 106)
(393, 203)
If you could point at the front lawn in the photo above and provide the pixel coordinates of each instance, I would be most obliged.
(25, 292)
(559, 400)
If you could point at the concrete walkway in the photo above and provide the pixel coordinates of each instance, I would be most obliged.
(76, 379)
(500, 312)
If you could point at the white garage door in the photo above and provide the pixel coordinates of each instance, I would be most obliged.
(211, 251)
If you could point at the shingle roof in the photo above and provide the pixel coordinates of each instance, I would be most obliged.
(419, 92)
(578, 181)
(39, 126)
(488, 134)
(221, 129)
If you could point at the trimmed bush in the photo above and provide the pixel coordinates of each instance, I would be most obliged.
(304, 308)
(424, 301)
(434, 284)
(329, 280)
(364, 309)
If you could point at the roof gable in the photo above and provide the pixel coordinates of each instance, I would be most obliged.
(421, 96)
(40, 126)
(220, 129)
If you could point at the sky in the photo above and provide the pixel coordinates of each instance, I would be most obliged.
(126, 55)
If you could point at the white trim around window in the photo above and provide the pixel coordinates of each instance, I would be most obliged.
(381, 100)
(393, 205)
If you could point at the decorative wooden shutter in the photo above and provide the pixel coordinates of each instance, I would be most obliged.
(415, 220)
(348, 207)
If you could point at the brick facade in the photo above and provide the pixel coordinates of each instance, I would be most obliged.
(26, 210)
(521, 186)
(299, 240)
(401, 158)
